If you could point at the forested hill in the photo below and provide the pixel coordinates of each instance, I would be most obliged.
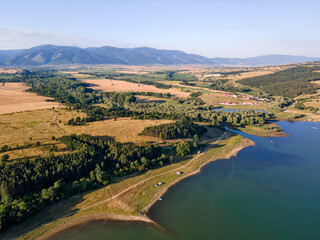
(58, 55)
(288, 83)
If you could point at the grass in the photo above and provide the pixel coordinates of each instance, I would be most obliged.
(34, 123)
(267, 130)
(135, 199)
(42, 125)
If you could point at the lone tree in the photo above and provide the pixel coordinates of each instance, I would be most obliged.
(4, 158)
(196, 137)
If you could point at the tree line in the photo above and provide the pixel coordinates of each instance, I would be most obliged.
(202, 114)
(184, 128)
(192, 99)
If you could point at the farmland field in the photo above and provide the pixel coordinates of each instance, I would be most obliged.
(14, 98)
(42, 125)
(109, 85)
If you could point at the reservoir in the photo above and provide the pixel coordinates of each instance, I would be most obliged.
(269, 191)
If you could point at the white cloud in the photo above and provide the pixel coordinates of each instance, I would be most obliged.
(11, 38)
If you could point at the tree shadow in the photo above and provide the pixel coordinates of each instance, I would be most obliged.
(146, 100)
(105, 138)
(51, 213)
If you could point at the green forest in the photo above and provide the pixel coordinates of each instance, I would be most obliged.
(184, 128)
(28, 186)
(287, 83)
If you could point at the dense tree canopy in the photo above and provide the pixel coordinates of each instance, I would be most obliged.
(92, 162)
(288, 83)
(184, 128)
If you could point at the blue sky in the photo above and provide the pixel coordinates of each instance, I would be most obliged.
(226, 28)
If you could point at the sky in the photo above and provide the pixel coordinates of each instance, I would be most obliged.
(224, 28)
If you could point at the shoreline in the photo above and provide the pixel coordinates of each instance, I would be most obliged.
(145, 217)
(92, 218)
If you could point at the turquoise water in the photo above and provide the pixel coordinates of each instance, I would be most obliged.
(269, 191)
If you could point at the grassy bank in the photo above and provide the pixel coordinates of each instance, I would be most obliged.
(266, 130)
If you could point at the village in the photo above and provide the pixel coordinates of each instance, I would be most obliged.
(256, 101)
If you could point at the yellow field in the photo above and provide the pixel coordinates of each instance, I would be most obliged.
(13, 98)
(313, 103)
(9, 70)
(40, 125)
(109, 85)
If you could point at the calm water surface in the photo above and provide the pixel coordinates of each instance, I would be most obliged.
(269, 191)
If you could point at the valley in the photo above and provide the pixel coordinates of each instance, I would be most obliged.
(124, 129)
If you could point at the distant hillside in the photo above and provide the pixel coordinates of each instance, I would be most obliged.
(266, 60)
(136, 56)
(59, 55)
(6, 54)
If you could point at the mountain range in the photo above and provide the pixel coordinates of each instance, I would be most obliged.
(66, 55)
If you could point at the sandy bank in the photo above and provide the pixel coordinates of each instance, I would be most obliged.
(91, 218)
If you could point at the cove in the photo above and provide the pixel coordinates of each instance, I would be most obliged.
(269, 191)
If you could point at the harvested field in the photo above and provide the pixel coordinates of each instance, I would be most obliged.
(123, 130)
(313, 103)
(109, 85)
(13, 98)
(8, 71)
(76, 74)
(24, 129)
